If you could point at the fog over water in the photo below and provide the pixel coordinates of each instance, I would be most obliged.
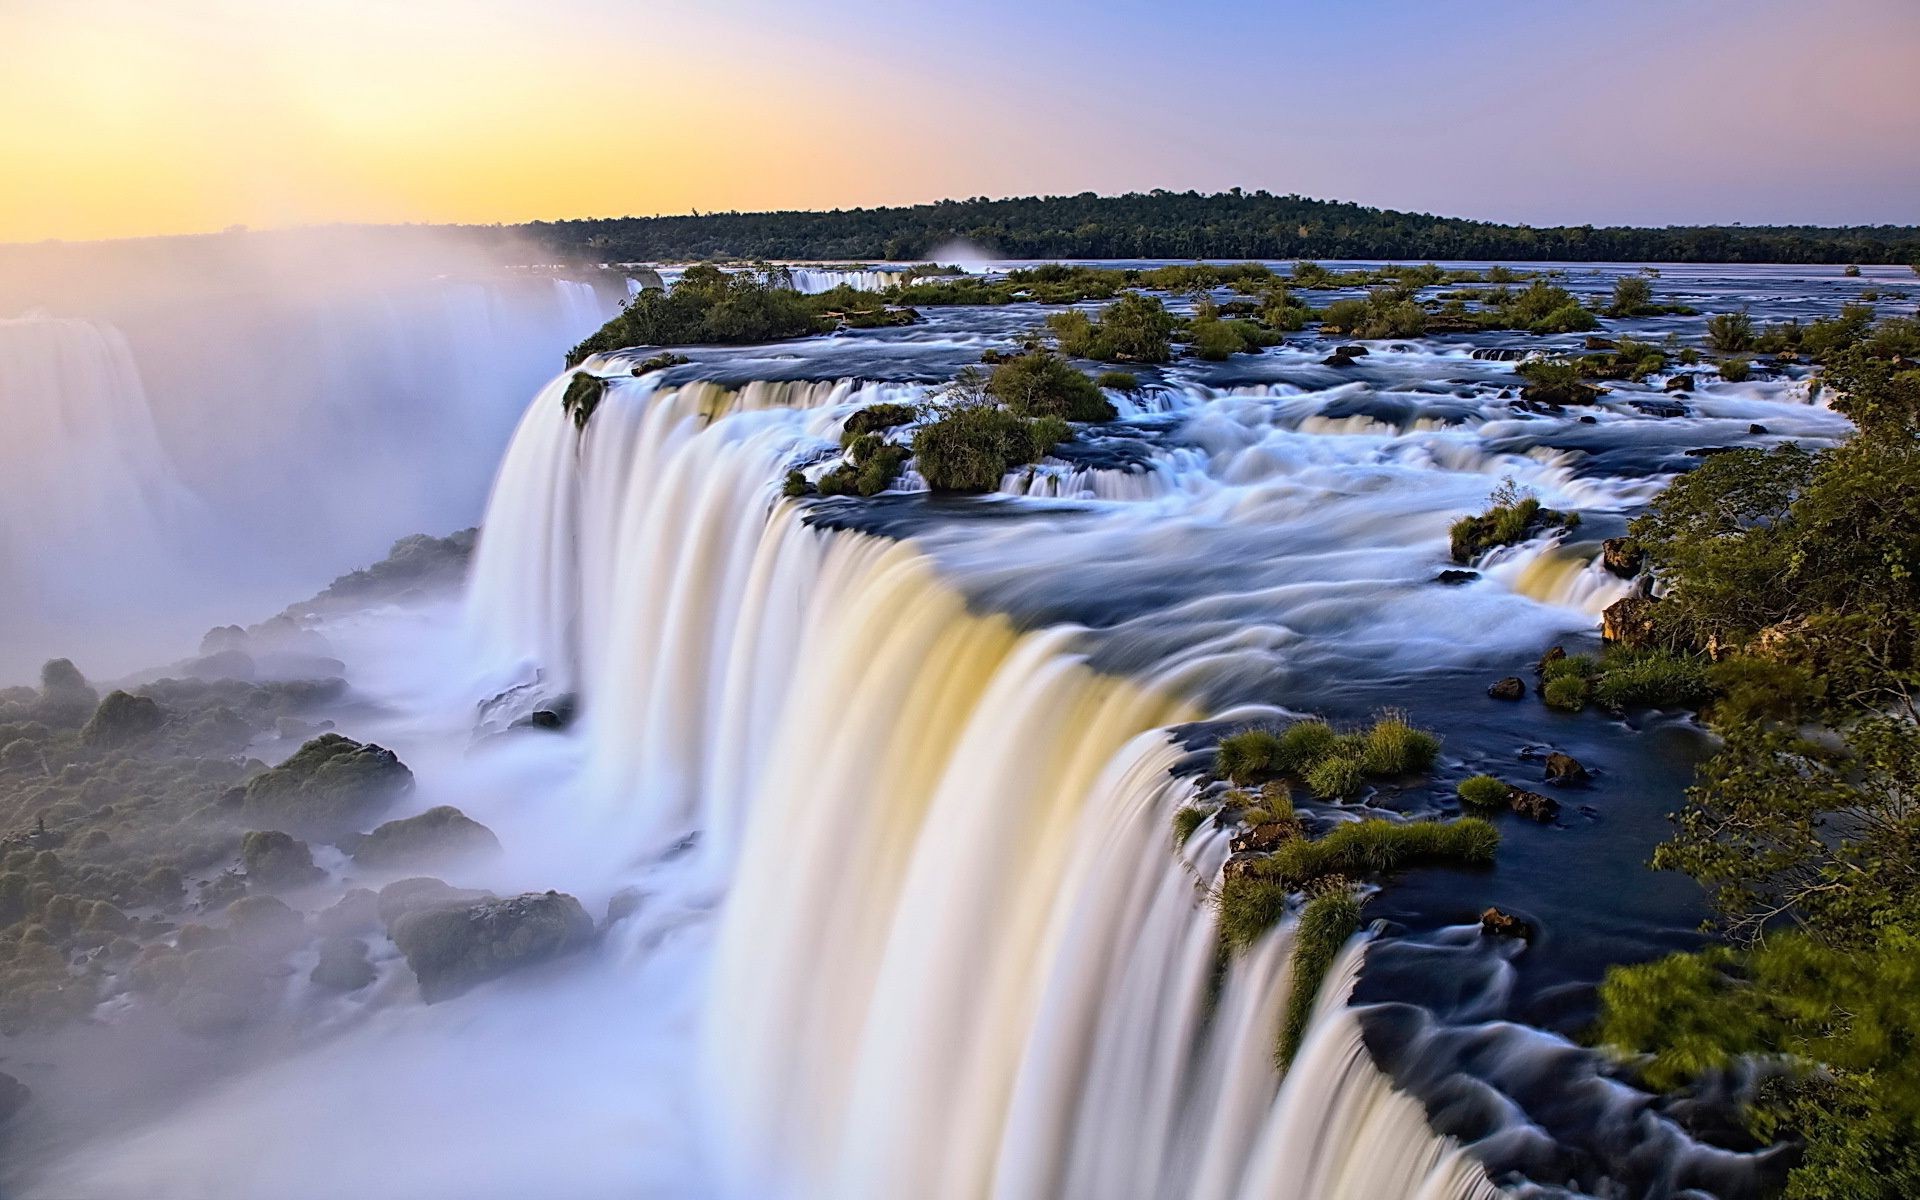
(868, 799)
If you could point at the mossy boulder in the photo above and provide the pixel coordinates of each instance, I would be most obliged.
(343, 965)
(266, 925)
(274, 859)
(122, 719)
(421, 894)
(329, 785)
(436, 835)
(356, 912)
(454, 949)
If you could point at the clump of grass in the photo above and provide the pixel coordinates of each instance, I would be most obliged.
(1119, 381)
(1514, 516)
(1335, 775)
(1394, 747)
(1187, 820)
(1483, 792)
(1245, 756)
(1735, 370)
(1651, 678)
(1304, 743)
(1568, 693)
(1325, 925)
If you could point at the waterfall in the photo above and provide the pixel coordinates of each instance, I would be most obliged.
(957, 953)
(814, 280)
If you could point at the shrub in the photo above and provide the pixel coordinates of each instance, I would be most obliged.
(1735, 370)
(1502, 525)
(796, 485)
(1567, 693)
(1555, 381)
(1852, 271)
(1040, 383)
(970, 447)
(876, 418)
(1631, 294)
(1118, 381)
(1393, 747)
(582, 397)
(1730, 333)
(709, 305)
(1134, 328)
(1483, 792)
(1325, 925)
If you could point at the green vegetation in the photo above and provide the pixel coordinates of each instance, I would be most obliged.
(1134, 328)
(1329, 763)
(1633, 297)
(326, 787)
(1483, 792)
(874, 464)
(1119, 381)
(971, 446)
(1187, 819)
(1040, 383)
(1386, 312)
(1797, 574)
(709, 305)
(1730, 333)
(582, 397)
(1735, 370)
(877, 418)
(1253, 900)
(1326, 923)
(1217, 338)
(1513, 517)
(1230, 226)
(1555, 381)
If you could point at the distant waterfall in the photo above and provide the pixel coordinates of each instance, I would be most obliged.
(228, 453)
(958, 954)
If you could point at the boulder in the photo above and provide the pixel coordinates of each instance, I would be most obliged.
(275, 859)
(266, 925)
(1454, 577)
(1678, 383)
(1565, 769)
(356, 912)
(1533, 806)
(1339, 358)
(343, 965)
(1629, 621)
(422, 894)
(1265, 837)
(436, 835)
(1495, 923)
(1510, 688)
(454, 949)
(1623, 556)
(328, 786)
(1596, 342)
(121, 719)
(1756, 429)
(1554, 654)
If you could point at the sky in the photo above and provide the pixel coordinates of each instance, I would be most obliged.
(129, 117)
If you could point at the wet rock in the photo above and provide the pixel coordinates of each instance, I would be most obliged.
(1678, 383)
(1352, 350)
(327, 787)
(343, 965)
(1710, 451)
(1629, 621)
(1510, 688)
(1565, 769)
(1239, 865)
(558, 714)
(423, 894)
(1495, 923)
(1623, 556)
(1596, 342)
(454, 949)
(1664, 409)
(356, 912)
(13, 1097)
(275, 859)
(1453, 577)
(1265, 837)
(1533, 806)
(265, 924)
(1553, 655)
(1339, 358)
(1589, 419)
(1756, 429)
(436, 835)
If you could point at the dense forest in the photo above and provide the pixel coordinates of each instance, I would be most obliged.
(1161, 224)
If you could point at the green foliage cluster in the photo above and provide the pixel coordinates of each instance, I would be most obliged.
(1326, 923)
(971, 446)
(1233, 225)
(709, 305)
(1730, 333)
(1795, 573)
(1626, 677)
(582, 397)
(874, 463)
(1483, 792)
(1217, 338)
(1253, 900)
(1556, 381)
(1513, 517)
(1040, 383)
(1633, 297)
(1331, 764)
(1134, 328)
(1386, 312)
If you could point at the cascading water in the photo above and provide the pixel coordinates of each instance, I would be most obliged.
(956, 956)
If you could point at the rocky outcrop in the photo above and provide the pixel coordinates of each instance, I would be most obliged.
(122, 719)
(1510, 688)
(422, 894)
(275, 860)
(1533, 806)
(1629, 622)
(1565, 769)
(1495, 923)
(1623, 556)
(436, 835)
(454, 949)
(327, 787)
(1265, 837)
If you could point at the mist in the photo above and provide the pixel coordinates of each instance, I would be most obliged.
(198, 430)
